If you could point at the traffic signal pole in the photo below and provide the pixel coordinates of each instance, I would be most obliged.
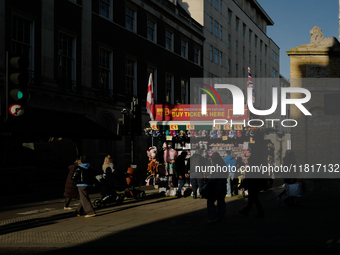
(6, 88)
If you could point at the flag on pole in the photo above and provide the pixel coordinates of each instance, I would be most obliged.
(150, 107)
(250, 85)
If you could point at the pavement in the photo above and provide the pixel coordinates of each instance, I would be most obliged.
(179, 226)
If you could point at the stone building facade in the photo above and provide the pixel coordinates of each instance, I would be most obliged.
(316, 139)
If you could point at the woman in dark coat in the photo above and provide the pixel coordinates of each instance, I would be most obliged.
(71, 190)
(217, 191)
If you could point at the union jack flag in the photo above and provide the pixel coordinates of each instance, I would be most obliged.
(250, 84)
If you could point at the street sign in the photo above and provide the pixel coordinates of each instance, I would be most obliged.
(16, 110)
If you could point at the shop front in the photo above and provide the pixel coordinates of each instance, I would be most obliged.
(179, 128)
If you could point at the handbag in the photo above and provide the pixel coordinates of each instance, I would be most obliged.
(205, 189)
(293, 190)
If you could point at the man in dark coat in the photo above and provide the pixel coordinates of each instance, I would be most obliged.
(196, 180)
(182, 171)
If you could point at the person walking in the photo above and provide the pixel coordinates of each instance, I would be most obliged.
(254, 185)
(106, 178)
(84, 175)
(182, 171)
(230, 162)
(289, 160)
(71, 190)
(196, 181)
(217, 190)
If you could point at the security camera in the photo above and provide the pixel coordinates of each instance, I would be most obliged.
(124, 111)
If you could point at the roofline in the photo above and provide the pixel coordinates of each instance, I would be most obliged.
(263, 12)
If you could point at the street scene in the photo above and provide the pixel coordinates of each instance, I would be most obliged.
(171, 126)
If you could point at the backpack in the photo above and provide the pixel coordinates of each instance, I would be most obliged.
(77, 174)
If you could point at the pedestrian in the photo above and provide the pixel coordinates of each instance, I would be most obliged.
(106, 178)
(254, 184)
(71, 190)
(217, 190)
(196, 181)
(289, 160)
(84, 174)
(230, 162)
(182, 171)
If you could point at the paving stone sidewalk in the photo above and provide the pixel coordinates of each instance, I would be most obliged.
(312, 227)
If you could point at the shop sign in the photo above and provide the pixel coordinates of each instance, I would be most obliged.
(193, 112)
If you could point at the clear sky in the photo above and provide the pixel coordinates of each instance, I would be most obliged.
(293, 19)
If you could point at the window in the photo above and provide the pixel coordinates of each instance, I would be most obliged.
(237, 23)
(169, 91)
(244, 30)
(197, 55)
(105, 74)
(105, 8)
(169, 40)
(265, 50)
(216, 26)
(211, 53)
(184, 48)
(250, 35)
(216, 54)
(66, 62)
(130, 19)
(243, 52)
(184, 92)
(275, 57)
(221, 32)
(221, 58)
(151, 30)
(22, 38)
(220, 6)
(255, 41)
(130, 77)
(236, 47)
(260, 65)
(229, 16)
(274, 73)
(249, 57)
(229, 41)
(261, 43)
(236, 70)
(216, 4)
(211, 24)
(229, 65)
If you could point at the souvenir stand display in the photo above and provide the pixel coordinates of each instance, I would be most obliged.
(173, 135)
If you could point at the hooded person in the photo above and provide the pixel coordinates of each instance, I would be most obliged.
(84, 175)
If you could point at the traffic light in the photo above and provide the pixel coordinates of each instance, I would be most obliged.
(18, 80)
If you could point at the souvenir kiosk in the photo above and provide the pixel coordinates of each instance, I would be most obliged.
(182, 127)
